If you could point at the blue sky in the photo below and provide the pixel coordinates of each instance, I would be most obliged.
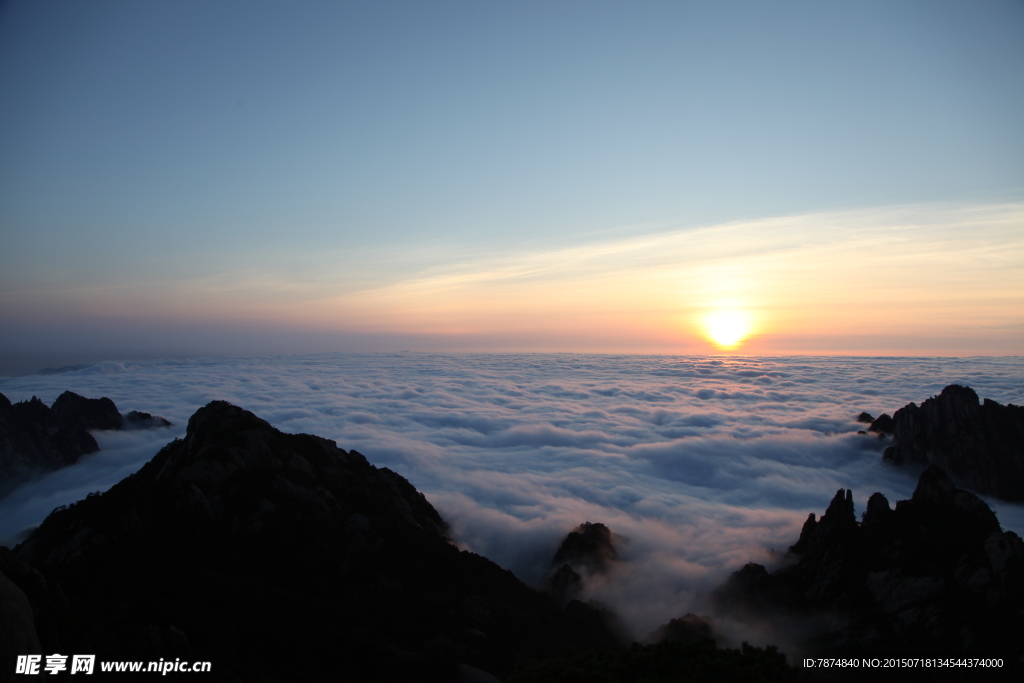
(211, 166)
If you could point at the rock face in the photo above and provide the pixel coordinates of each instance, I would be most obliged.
(934, 575)
(586, 551)
(35, 438)
(282, 557)
(588, 546)
(138, 420)
(77, 412)
(882, 425)
(981, 446)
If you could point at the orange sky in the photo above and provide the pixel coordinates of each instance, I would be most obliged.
(949, 278)
(919, 280)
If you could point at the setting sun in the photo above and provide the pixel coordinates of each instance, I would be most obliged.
(727, 329)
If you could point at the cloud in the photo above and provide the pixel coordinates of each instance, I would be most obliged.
(936, 278)
(696, 461)
(910, 272)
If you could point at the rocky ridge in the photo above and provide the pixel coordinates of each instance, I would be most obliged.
(36, 438)
(934, 576)
(278, 557)
(980, 445)
(586, 551)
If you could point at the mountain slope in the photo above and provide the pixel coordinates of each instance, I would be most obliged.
(281, 557)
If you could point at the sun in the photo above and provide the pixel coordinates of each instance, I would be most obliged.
(728, 328)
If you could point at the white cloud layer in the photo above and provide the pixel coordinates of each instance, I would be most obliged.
(700, 464)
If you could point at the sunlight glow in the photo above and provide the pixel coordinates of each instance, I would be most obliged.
(727, 328)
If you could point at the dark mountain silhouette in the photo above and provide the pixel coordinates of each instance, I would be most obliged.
(279, 557)
(135, 419)
(77, 412)
(35, 438)
(882, 425)
(589, 546)
(689, 628)
(934, 576)
(683, 649)
(282, 557)
(586, 551)
(981, 446)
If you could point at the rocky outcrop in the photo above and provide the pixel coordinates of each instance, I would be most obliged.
(980, 445)
(32, 440)
(934, 575)
(883, 425)
(35, 438)
(139, 420)
(586, 551)
(283, 557)
(589, 546)
(77, 412)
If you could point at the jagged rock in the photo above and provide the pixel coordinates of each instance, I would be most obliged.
(138, 420)
(800, 547)
(830, 547)
(77, 412)
(282, 557)
(876, 516)
(865, 418)
(588, 546)
(32, 440)
(934, 575)
(586, 551)
(35, 438)
(981, 446)
(883, 424)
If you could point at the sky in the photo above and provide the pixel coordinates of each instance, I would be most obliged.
(202, 178)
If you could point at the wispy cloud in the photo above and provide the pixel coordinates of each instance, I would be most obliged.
(912, 272)
(932, 278)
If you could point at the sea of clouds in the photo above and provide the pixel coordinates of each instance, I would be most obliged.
(698, 464)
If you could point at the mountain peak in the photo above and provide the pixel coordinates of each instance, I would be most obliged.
(239, 535)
